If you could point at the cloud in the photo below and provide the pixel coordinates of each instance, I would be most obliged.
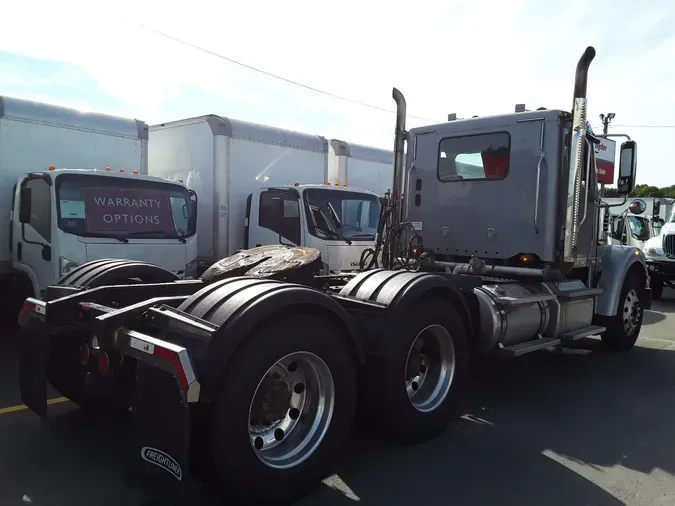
(471, 58)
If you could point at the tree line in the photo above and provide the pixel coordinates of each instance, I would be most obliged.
(644, 190)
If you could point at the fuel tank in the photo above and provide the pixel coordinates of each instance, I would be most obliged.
(511, 313)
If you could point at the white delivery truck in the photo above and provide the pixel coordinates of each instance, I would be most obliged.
(57, 219)
(260, 185)
(360, 166)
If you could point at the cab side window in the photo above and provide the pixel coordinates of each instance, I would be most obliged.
(285, 220)
(474, 157)
(40, 208)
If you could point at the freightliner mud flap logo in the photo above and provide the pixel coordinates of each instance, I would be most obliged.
(161, 459)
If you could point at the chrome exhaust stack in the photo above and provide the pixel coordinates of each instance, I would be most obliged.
(399, 149)
(577, 158)
(391, 218)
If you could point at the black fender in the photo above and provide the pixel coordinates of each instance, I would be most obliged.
(239, 305)
(112, 271)
(398, 291)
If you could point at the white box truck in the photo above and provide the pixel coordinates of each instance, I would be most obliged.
(360, 166)
(245, 173)
(57, 219)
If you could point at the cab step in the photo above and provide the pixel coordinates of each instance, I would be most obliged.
(542, 343)
(585, 293)
(575, 335)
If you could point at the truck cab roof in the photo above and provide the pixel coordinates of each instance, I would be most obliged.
(303, 187)
(105, 172)
(482, 123)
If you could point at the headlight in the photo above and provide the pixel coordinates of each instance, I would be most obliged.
(191, 269)
(655, 251)
(65, 265)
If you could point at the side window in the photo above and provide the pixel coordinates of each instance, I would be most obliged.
(474, 157)
(617, 228)
(41, 208)
(286, 224)
(268, 213)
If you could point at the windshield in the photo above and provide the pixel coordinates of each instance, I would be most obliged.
(639, 227)
(352, 215)
(103, 206)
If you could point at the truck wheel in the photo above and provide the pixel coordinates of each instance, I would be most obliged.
(624, 327)
(415, 391)
(284, 410)
(70, 369)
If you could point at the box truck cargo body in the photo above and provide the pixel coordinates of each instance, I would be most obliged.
(51, 213)
(235, 167)
(360, 166)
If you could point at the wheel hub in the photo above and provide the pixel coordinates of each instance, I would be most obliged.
(632, 313)
(430, 368)
(272, 400)
(291, 410)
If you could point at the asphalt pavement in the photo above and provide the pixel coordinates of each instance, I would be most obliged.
(581, 428)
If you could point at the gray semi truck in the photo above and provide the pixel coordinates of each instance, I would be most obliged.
(251, 378)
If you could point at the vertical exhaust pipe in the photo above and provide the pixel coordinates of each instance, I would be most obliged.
(393, 216)
(577, 158)
(399, 148)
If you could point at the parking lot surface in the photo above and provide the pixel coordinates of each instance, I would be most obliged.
(581, 428)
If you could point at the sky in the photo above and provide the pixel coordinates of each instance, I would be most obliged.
(465, 57)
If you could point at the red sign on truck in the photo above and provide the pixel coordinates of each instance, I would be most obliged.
(119, 210)
(605, 153)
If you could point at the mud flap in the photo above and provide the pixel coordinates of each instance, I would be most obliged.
(33, 351)
(161, 428)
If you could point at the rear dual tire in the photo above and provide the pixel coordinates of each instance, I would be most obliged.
(412, 399)
(274, 474)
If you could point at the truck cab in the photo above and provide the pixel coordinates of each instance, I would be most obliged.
(629, 228)
(339, 221)
(64, 218)
(660, 252)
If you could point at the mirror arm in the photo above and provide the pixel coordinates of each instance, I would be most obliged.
(607, 205)
(607, 136)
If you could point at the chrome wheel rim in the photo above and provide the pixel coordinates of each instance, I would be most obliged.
(430, 368)
(291, 410)
(632, 314)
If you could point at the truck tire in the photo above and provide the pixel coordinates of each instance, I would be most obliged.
(308, 407)
(624, 327)
(415, 390)
(65, 370)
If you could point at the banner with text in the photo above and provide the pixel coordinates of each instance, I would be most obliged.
(605, 153)
(119, 210)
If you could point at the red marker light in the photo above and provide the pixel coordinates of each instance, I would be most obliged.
(103, 363)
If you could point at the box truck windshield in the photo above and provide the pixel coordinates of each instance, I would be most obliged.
(352, 215)
(639, 227)
(100, 206)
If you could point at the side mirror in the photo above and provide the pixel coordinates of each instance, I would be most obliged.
(24, 205)
(656, 207)
(638, 206)
(193, 203)
(46, 253)
(627, 168)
